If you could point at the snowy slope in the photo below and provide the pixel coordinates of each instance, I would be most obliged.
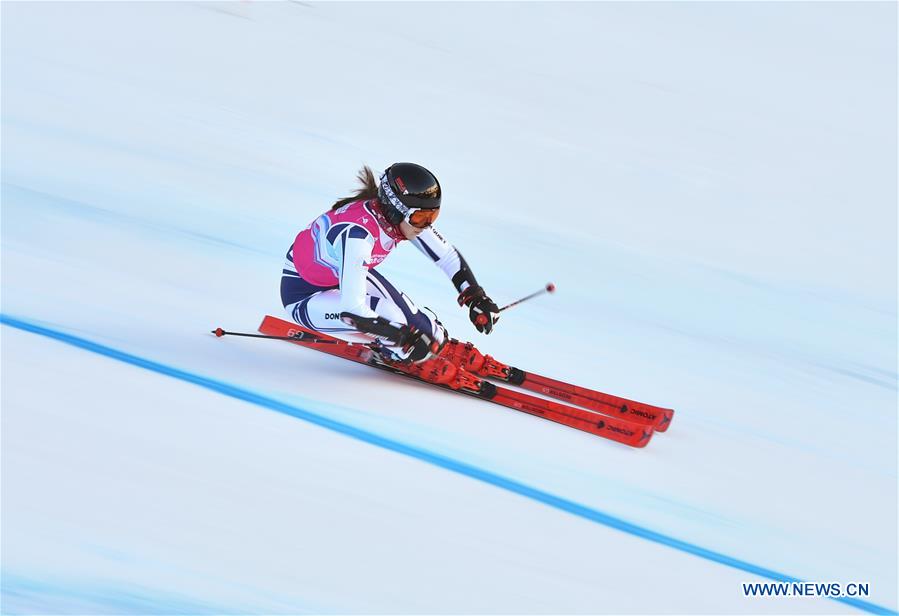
(711, 186)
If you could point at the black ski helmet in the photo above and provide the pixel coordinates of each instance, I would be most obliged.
(405, 186)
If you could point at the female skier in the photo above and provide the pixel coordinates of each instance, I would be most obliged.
(329, 283)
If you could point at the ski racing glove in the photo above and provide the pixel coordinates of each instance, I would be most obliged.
(482, 310)
(413, 345)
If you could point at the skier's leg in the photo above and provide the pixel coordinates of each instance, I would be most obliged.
(296, 294)
(394, 305)
(320, 311)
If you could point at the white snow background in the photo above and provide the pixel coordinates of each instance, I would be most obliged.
(711, 186)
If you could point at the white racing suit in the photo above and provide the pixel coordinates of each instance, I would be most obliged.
(330, 269)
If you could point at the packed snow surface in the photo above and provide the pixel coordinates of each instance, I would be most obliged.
(711, 186)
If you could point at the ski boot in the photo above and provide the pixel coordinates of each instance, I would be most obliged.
(433, 369)
(465, 355)
(440, 371)
(407, 349)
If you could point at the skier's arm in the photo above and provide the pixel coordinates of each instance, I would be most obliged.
(354, 245)
(446, 257)
(482, 311)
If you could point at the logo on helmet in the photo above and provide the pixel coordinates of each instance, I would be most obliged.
(402, 185)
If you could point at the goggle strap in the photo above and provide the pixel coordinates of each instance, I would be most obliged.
(391, 196)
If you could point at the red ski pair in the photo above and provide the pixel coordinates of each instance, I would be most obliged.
(461, 367)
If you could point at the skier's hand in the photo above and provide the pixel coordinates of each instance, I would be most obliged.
(416, 345)
(482, 310)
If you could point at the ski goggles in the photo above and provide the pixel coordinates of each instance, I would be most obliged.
(422, 219)
(418, 217)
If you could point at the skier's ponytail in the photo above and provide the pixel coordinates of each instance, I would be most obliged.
(369, 188)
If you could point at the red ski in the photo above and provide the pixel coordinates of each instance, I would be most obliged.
(613, 428)
(638, 412)
(465, 354)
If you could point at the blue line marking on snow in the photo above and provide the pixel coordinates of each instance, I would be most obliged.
(430, 457)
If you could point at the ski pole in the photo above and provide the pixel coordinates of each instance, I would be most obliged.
(549, 288)
(302, 336)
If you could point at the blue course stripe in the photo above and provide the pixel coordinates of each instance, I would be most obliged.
(572, 507)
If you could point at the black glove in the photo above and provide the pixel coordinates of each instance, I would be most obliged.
(482, 310)
(418, 344)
